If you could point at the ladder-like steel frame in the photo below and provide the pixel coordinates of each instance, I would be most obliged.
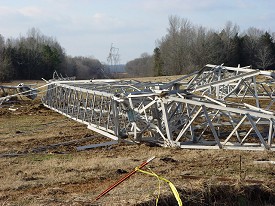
(216, 107)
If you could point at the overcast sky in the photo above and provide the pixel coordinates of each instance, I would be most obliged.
(89, 27)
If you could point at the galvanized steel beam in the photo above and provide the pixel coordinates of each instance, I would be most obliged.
(209, 111)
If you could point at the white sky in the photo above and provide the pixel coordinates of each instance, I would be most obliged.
(88, 27)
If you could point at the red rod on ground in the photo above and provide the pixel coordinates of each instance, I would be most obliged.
(124, 178)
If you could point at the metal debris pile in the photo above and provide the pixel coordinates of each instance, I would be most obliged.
(216, 107)
(20, 89)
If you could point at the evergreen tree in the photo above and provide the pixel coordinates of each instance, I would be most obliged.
(158, 62)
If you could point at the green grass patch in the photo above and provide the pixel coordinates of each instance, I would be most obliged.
(44, 157)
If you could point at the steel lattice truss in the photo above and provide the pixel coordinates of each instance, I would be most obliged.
(216, 107)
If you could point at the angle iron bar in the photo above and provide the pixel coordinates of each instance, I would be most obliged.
(49, 96)
(177, 81)
(61, 98)
(230, 147)
(233, 124)
(239, 69)
(146, 117)
(85, 106)
(250, 90)
(269, 94)
(168, 143)
(273, 134)
(227, 80)
(214, 100)
(184, 129)
(134, 128)
(214, 116)
(234, 89)
(57, 99)
(68, 100)
(86, 90)
(255, 91)
(51, 100)
(102, 129)
(130, 86)
(104, 144)
(270, 133)
(116, 118)
(270, 104)
(257, 131)
(78, 104)
(131, 103)
(98, 130)
(109, 115)
(74, 100)
(197, 83)
(258, 109)
(217, 87)
(242, 89)
(174, 112)
(249, 131)
(191, 126)
(271, 89)
(65, 98)
(100, 112)
(141, 104)
(83, 81)
(105, 115)
(137, 136)
(93, 107)
(190, 83)
(147, 94)
(234, 130)
(146, 106)
(229, 109)
(211, 127)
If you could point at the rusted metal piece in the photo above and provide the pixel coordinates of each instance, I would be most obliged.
(124, 178)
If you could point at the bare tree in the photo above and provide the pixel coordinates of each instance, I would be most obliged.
(143, 66)
(176, 45)
(6, 70)
(264, 57)
(254, 33)
(2, 43)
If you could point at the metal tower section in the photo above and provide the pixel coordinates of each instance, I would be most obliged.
(216, 107)
(113, 57)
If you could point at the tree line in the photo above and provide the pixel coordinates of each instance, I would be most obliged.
(37, 56)
(187, 47)
(184, 48)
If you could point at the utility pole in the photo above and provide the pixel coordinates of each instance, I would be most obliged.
(113, 57)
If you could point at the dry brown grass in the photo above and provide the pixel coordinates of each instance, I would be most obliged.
(156, 79)
(37, 173)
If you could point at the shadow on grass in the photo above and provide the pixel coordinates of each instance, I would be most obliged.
(242, 195)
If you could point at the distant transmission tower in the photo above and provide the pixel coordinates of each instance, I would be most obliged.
(113, 58)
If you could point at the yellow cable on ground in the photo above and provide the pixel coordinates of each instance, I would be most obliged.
(173, 188)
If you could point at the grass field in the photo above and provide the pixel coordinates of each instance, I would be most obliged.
(41, 166)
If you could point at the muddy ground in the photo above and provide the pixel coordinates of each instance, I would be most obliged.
(40, 165)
